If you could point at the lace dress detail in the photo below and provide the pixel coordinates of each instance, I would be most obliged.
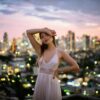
(47, 87)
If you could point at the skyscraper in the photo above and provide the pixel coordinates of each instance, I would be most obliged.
(70, 41)
(13, 46)
(5, 37)
(62, 42)
(95, 42)
(86, 42)
(5, 40)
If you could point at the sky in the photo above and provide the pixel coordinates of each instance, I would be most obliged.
(79, 16)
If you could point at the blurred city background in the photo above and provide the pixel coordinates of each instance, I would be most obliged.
(78, 29)
(18, 68)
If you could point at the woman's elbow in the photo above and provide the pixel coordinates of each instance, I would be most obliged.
(76, 68)
(29, 32)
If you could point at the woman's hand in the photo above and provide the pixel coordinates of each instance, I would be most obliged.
(55, 75)
(53, 32)
(49, 31)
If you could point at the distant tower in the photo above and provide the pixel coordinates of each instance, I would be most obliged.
(24, 37)
(62, 43)
(1, 46)
(57, 41)
(25, 40)
(5, 40)
(95, 42)
(71, 41)
(86, 42)
(13, 46)
(5, 37)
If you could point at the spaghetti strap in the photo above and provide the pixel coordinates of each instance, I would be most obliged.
(50, 58)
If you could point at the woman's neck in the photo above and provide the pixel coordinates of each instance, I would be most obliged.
(51, 46)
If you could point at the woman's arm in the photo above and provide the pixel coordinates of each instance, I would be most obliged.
(34, 31)
(35, 44)
(73, 64)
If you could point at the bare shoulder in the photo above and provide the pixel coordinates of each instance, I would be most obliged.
(60, 52)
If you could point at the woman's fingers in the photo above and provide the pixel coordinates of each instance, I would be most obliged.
(55, 74)
(46, 30)
(53, 32)
(50, 31)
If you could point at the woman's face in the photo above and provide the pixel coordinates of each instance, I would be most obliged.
(46, 38)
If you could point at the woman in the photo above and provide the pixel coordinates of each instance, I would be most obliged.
(47, 86)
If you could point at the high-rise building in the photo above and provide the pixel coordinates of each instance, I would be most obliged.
(13, 46)
(95, 42)
(5, 40)
(70, 41)
(5, 37)
(25, 40)
(62, 43)
(86, 42)
(1, 45)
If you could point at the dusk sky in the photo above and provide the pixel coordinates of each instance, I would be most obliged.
(80, 16)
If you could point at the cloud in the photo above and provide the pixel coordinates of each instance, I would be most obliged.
(7, 12)
(78, 13)
(55, 13)
(92, 24)
(5, 9)
(45, 10)
(89, 6)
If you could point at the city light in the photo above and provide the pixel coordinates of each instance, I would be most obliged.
(26, 85)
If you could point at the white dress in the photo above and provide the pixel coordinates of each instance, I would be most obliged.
(47, 87)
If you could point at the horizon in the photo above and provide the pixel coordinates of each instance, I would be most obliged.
(62, 16)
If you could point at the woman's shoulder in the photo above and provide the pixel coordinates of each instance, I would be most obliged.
(59, 49)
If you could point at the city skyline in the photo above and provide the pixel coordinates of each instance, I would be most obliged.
(80, 16)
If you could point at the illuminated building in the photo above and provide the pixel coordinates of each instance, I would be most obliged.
(71, 41)
(95, 42)
(5, 40)
(13, 46)
(86, 42)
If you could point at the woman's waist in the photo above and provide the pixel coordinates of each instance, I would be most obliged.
(46, 70)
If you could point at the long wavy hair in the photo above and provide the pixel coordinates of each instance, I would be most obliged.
(45, 46)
